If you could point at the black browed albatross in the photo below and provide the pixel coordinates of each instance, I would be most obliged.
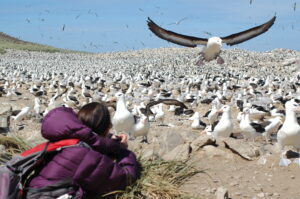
(213, 44)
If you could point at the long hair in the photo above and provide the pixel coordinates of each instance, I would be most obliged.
(96, 116)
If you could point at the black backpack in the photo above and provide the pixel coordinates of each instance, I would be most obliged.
(16, 172)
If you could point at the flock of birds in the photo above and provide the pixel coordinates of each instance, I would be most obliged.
(145, 90)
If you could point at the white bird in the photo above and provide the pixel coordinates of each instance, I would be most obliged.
(9, 94)
(21, 115)
(197, 123)
(250, 129)
(160, 114)
(289, 134)
(212, 114)
(223, 127)
(172, 108)
(37, 106)
(213, 44)
(123, 119)
(272, 126)
(141, 128)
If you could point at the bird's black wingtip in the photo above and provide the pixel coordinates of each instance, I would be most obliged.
(149, 21)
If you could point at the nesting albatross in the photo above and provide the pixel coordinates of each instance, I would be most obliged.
(213, 44)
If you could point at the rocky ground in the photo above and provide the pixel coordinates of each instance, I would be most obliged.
(245, 168)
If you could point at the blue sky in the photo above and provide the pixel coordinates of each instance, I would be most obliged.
(120, 25)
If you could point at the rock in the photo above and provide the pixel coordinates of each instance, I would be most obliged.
(293, 177)
(237, 194)
(5, 109)
(145, 151)
(262, 160)
(149, 155)
(180, 153)
(4, 124)
(189, 136)
(168, 141)
(233, 184)
(202, 141)
(246, 150)
(276, 194)
(261, 195)
(212, 151)
(222, 193)
(270, 149)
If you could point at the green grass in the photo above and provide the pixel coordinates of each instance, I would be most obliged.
(8, 42)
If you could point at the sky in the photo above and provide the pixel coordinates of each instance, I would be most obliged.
(121, 25)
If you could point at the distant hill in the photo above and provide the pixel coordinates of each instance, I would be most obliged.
(5, 37)
(9, 42)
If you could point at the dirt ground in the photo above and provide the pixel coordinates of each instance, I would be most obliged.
(262, 177)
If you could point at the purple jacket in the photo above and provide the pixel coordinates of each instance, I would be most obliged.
(91, 169)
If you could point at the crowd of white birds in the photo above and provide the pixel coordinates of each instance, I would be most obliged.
(255, 86)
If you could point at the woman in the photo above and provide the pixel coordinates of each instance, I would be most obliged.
(101, 166)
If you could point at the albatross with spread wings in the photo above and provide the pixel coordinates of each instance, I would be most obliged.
(213, 44)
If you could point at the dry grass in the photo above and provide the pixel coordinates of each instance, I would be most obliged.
(158, 180)
(13, 144)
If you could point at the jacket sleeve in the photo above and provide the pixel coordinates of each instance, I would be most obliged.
(99, 174)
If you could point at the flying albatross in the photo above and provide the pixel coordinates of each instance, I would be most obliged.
(213, 44)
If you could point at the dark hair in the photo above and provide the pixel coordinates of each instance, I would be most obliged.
(96, 116)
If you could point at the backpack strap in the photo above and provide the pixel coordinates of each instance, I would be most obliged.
(19, 164)
(51, 146)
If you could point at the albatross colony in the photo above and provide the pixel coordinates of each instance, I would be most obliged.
(213, 45)
(265, 79)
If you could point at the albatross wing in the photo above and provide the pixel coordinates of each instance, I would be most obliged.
(173, 37)
(164, 101)
(248, 34)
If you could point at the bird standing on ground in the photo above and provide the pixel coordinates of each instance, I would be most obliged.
(141, 128)
(289, 133)
(271, 126)
(212, 114)
(250, 129)
(197, 123)
(37, 106)
(223, 127)
(123, 119)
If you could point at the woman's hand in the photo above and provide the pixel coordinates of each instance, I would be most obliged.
(123, 140)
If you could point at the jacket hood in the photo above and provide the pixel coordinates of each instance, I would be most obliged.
(63, 123)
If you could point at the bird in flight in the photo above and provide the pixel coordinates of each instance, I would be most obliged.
(178, 22)
(213, 45)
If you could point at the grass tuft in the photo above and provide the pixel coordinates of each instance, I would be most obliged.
(159, 180)
(13, 144)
